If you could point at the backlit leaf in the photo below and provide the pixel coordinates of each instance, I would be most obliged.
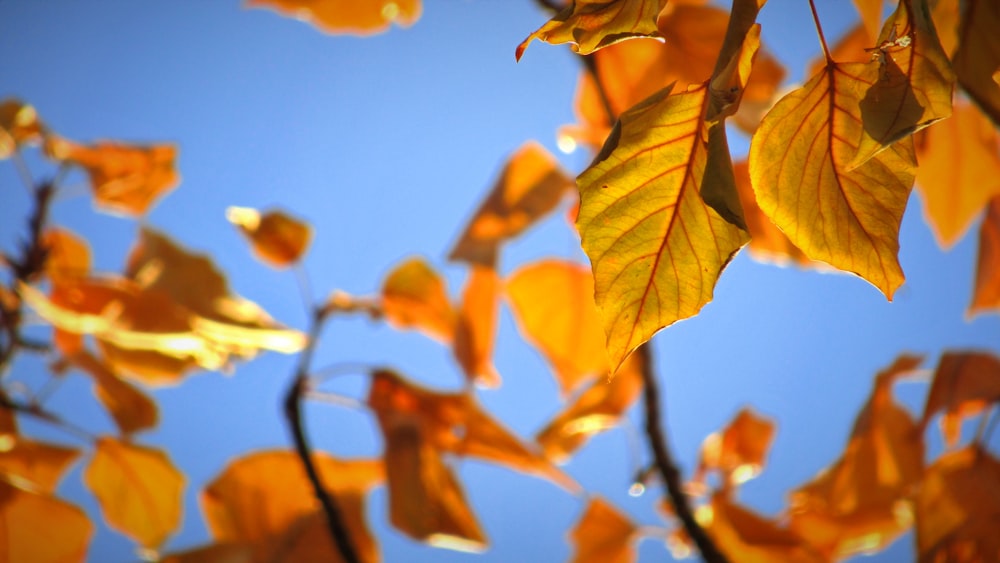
(767, 242)
(530, 186)
(959, 171)
(978, 55)
(19, 125)
(38, 466)
(415, 296)
(553, 302)
(965, 384)
(799, 168)
(861, 502)
(739, 451)
(354, 17)
(746, 536)
(958, 508)
(589, 25)
(986, 294)
(125, 179)
(67, 254)
(39, 528)
(278, 239)
(132, 410)
(603, 535)
(138, 488)
(871, 16)
(476, 328)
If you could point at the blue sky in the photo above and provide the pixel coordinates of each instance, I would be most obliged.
(386, 145)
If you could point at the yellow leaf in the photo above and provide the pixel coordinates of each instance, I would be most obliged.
(39, 528)
(767, 242)
(553, 302)
(278, 239)
(67, 255)
(354, 17)
(138, 488)
(415, 296)
(739, 452)
(603, 535)
(747, 537)
(959, 171)
(476, 328)
(589, 25)
(799, 168)
(132, 410)
(530, 186)
(125, 179)
(19, 125)
(37, 466)
(958, 507)
(965, 384)
(986, 294)
(598, 408)
(978, 55)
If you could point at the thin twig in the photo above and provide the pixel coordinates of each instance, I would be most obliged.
(590, 63)
(819, 31)
(36, 411)
(293, 412)
(665, 464)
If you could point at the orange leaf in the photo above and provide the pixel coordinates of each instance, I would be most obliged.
(476, 328)
(965, 383)
(415, 296)
(861, 503)
(67, 255)
(739, 452)
(216, 553)
(589, 25)
(959, 171)
(799, 168)
(871, 16)
(278, 239)
(747, 537)
(553, 302)
(125, 179)
(354, 17)
(599, 407)
(978, 55)
(19, 125)
(132, 410)
(767, 242)
(530, 186)
(40, 528)
(958, 507)
(138, 488)
(37, 466)
(986, 294)
(603, 535)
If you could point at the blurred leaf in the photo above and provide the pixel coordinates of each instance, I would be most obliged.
(67, 254)
(589, 25)
(354, 17)
(871, 17)
(553, 302)
(737, 453)
(37, 466)
(965, 384)
(745, 536)
(530, 186)
(603, 535)
(278, 239)
(476, 328)
(215, 553)
(19, 125)
(767, 241)
(125, 179)
(978, 55)
(986, 293)
(415, 296)
(138, 488)
(132, 410)
(39, 528)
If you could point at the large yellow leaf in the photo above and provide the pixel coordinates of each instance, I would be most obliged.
(659, 214)
(19, 125)
(476, 326)
(530, 186)
(553, 302)
(39, 528)
(799, 167)
(959, 171)
(986, 294)
(978, 55)
(355, 17)
(958, 508)
(415, 296)
(747, 537)
(131, 409)
(603, 535)
(738, 452)
(36, 465)
(589, 25)
(277, 238)
(138, 488)
(965, 384)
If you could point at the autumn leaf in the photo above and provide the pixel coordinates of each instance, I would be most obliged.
(746, 536)
(958, 507)
(978, 55)
(67, 255)
(738, 452)
(354, 17)
(276, 238)
(603, 535)
(589, 25)
(19, 125)
(38, 466)
(986, 293)
(530, 186)
(767, 242)
(861, 502)
(131, 409)
(125, 179)
(415, 296)
(599, 407)
(553, 302)
(476, 328)
(965, 384)
(40, 528)
(871, 16)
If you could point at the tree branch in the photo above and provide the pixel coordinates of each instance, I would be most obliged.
(293, 412)
(665, 465)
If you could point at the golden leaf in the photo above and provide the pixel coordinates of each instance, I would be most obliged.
(553, 302)
(278, 239)
(67, 255)
(40, 528)
(131, 409)
(738, 452)
(747, 537)
(603, 535)
(354, 17)
(986, 294)
(19, 125)
(530, 186)
(978, 55)
(589, 25)
(476, 328)
(415, 296)
(965, 384)
(34, 465)
(138, 488)
(125, 179)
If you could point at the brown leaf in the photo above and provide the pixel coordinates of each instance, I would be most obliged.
(132, 410)
(958, 508)
(353, 17)
(125, 179)
(530, 186)
(38, 466)
(589, 25)
(738, 452)
(19, 125)
(138, 488)
(745, 536)
(277, 238)
(986, 294)
(415, 296)
(553, 302)
(965, 384)
(603, 535)
(39, 528)
(978, 55)
(767, 242)
(476, 328)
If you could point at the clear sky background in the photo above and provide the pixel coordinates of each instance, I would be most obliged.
(386, 145)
